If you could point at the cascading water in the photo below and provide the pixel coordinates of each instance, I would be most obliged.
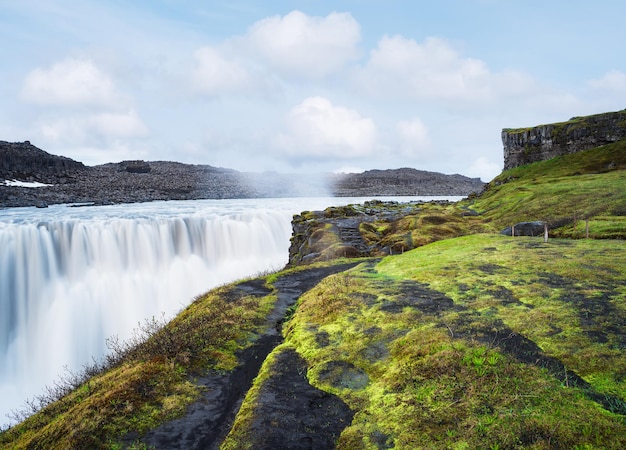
(72, 277)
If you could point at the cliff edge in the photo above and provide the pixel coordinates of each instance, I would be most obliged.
(528, 145)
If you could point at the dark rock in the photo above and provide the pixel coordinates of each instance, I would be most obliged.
(208, 420)
(142, 181)
(404, 181)
(136, 166)
(290, 413)
(23, 161)
(525, 229)
(126, 182)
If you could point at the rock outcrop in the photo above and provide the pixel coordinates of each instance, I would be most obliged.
(25, 162)
(527, 145)
(525, 229)
(373, 229)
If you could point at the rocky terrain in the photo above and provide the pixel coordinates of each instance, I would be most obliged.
(403, 181)
(140, 181)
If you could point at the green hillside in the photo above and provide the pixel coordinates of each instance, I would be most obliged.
(564, 191)
(471, 340)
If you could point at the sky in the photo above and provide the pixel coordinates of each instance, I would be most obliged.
(303, 86)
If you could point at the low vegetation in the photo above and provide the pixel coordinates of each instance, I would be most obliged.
(579, 195)
(565, 191)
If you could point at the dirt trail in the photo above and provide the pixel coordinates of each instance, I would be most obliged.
(208, 420)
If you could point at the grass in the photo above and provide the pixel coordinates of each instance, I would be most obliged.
(570, 192)
(239, 437)
(565, 190)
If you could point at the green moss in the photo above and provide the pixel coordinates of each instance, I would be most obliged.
(559, 128)
(427, 369)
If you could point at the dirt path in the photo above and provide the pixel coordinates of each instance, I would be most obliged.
(208, 420)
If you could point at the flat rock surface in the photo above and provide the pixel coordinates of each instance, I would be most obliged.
(292, 414)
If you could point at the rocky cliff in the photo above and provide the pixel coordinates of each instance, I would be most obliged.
(25, 162)
(527, 145)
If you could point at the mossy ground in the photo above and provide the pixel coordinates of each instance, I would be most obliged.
(579, 195)
(433, 222)
(415, 345)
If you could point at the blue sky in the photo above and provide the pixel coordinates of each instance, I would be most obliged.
(304, 85)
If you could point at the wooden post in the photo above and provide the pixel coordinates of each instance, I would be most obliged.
(512, 230)
(545, 232)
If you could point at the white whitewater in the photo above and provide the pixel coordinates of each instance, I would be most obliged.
(71, 277)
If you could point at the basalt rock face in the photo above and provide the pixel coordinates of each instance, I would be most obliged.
(23, 161)
(527, 145)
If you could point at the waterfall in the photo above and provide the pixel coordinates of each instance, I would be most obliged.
(66, 284)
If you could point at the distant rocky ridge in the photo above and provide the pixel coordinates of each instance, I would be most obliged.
(404, 181)
(140, 181)
(527, 145)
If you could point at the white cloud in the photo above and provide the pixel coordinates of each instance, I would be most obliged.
(309, 46)
(98, 127)
(402, 67)
(318, 129)
(484, 168)
(215, 74)
(127, 124)
(612, 81)
(413, 137)
(71, 82)
(292, 45)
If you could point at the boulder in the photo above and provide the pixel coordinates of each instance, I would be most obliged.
(525, 229)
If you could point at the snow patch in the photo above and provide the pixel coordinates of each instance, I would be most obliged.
(28, 184)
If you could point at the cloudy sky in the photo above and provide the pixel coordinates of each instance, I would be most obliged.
(303, 85)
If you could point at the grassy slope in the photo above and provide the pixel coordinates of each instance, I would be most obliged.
(421, 335)
(566, 191)
(589, 184)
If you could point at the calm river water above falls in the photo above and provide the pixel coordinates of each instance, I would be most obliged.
(71, 277)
